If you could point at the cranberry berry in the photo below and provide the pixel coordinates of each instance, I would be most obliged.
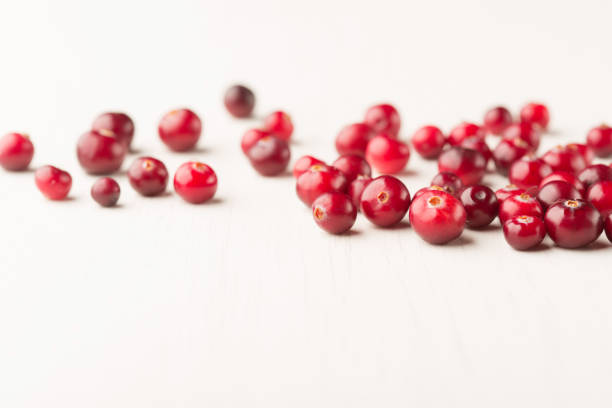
(608, 227)
(565, 158)
(251, 137)
(599, 139)
(352, 166)
(585, 151)
(521, 204)
(118, 123)
(594, 173)
(464, 131)
(334, 212)
(180, 129)
(524, 232)
(106, 191)
(507, 152)
(195, 182)
(524, 131)
(573, 223)
(449, 182)
(383, 118)
(423, 190)
(564, 176)
(385, 201)
(279, 124)
(148, 176)
(508, 191)
(600, 195)
(437, 217)
(555, 191)
(16, 151)
(320, 179)
(355, 189)
(100, 152)
(469, 165)
(239, 101)
(428, 142)
(269, 156)
(536, 114)
(303, 164)
(354, 138)
(54, 183)
(480, 205)
(387, 155)
(528, 172)
(480, 145)
(497, 119)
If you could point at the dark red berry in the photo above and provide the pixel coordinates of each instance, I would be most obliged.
(449, 182)
(428, 141)
(524, 131)
(239, 101)
(564, 176)
(507, 152)
(437, 217)
(16, 151)
(536, 114)
(100, 152)
(385, 201)
(599, 139)
(387, 155)
(195, 182)
(303, 164)
(480, 145)
(54, 183)
(180, 129)
(469, 165)
(573, 223)
(148, 176)
(520, 204)
(594, 173)
(585, 151)
(528, 172)
(279, 124)
(480, 205)
(600, 195)
(106, 191)
(383, 118)
(565, 158)
(464, 131)
(269, 156)
(352, 166)
(118, 123)
(508, 191)
(497, 119)
(555, 191)
(524, 232)
(608, 227)
(334, 212)
(356, 188)
(251, 137)
(320, 179)
(354, 138)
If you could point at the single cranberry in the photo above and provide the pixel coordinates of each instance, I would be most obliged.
(520, 204)
(608, 227)
(352, 166)
(16, 151)
(269, 156)
(463, 131)
(100, 152)
(507, 152)
(428, 141)
(334, 212)
(180, 129)
(239, 101)
(148, 176)
(320, 179)
(106, 191)
(573, 223)
(480, 205)
(599, 139)
(594, 173)
(497, 119)
(387, 155)
(356, 188)
(536, 114)
(279, 124)
(54, 183)
(508, 191)
(585, 151)
(524, 131)
(383, 118)
(480, 145)
(423, 190)
(449, 182)
(303, 164)
(528, 172)
(195, 182)
(555, 191)
(251, 137)
(385, 201)
(524, 232)
(118, 123)
(469, 165)
(564, 176)
(437, 217)
(600, 195)
(354, 138)
(565, 158)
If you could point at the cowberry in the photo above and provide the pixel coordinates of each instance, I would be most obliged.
(317, 180)
(573, 223)
(479, 144)
(524, 232)
(334, 212)
(585, 151)
(355, 189)
(279, 124)
(469, 165)
(564, 176)
(497, 119)
(118, 123)
(555, 191)
(507, 152)
(352, 166)
(600, 195)
(480, 204)
(428, 141)
(354, 138)
(100, 152)
(594, 173)
(195, 182)
(536, 114)
(608, 227)
(520, 204)
(528, 172)
(565, 158)
(599, 139)
(463, 131)
(303, 164)
(105, 191)
(385, 201)
(525, 131)
(449, 182)
(383, 118)
(52, 182)
(180, 129)
(250, 137)
(16, 151)
(239, 101)
(508, 191)
(425, 189)
(438, 217)
(269, 156)
(387, 155)
(148, 176)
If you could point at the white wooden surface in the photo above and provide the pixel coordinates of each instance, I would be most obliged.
(244, 302)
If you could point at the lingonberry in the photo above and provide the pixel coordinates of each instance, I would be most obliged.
(354, 138)
(269, 155)
(100, 152)
(469, 165)
(555, 191)
(52, 182)
(148, 176)
(479, 144)
(106, 191)
(334, 212)
(303, 164)
(519, 204)
(508, 191)
(480, 205)
(352, 166)
(600, 195)
(118, 123)
(449, 182)
(564, 176)
(497, 119)
(528, 172)
(565, 158)
(387, 155)
(524, 232)
(279, 124)
(355, 189)
(594, 173)
(16, 151)
(525, 131)
(463, 131)
(536, 114)
(385, 201)
(251, 137)
(599, 139)
(195, 182)
(573, 223)
(585, 151)
(320, 179)
(383, 118)
(180, 129)
(507, 152)
(428, 141)
(425, 189)
(438, 217)
(239, 101)
(608, 227)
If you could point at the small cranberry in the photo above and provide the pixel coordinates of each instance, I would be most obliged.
(118, 123)
(480, 205)
(385, 201)
(555, 191)
(599, 139)
(535, 113)
(524, 232)
(528, 172)
(608, 227)
(148, 176)
(585, 151)
(279, 124)
(594, 173)
(269, 156)
(565, 158)
(600, 195)
(251, 137)
(334, 212)
(573, 223)
(303, 164)
(354, 138)
(564, 176)
(387, 155)
(383, 118)
(180, 129)
(100, 152)
(449, 182)
(480, 145)
(497, 119)
(320, 179)
(426, 189)
(520, 204)
(437, 217)
(464, 131)
(195, 182)
(508, 191)
(356, 188)
(54, 183)
(469, 165)
(524, 131)
(239, 101)
(507, 152)
(106, 191)
(16, 151)
(352, 166)
(428, 141)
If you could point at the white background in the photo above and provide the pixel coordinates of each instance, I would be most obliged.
(244, 302)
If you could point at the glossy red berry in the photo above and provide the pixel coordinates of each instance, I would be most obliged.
(148, 176)
(480, 145)
(100, 152)
(497, 119)
(600, 195)
(180, 129)
(106, 191)
(555, 191)
(599, 139)
(449, 182)
(239, 101)
(385, 201)
(269, 156)
(279, 124)
(251, 137)
(195, 182)
(528, 172)
(464, 131)
(585, 151)
(564, 176)
(320, 179)
(480, 205)
(608, 227)
(387, 155)
(565, 158)
(573, 223)
(383, 118)
(524, 232)
(354, 138)
(428, 141)
(437, 217)
(118, 123)
(303, 164)
(508, 191)
(356, 188)
(423, 190)
(594, 173)
(469, 165)
(536, 114)
(334, 212)
(352, 166)
(521, 204)
(507, 152)
(54, 183)
(525, 131)
(16, 151)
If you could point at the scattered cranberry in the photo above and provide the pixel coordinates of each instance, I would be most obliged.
(353, 139)
(480, 145)
(437, 217)
(608, 227)
(180, 129)
(239, 101)
(106, 191)
(320, 179)
(195, 182)
(383, 118)
(508, 191)
(385, 201)
(536, 114)
(600, 195)
(251, 137)
(528, 172)
(352, 166)
(425, 189)
(524, 232)
(387, 155)
(585, 151)
(565, 158)
(469, 165)
(334, 212)
(497, 119)
(507, 152)
(599, 139)
(480, 205)
(449, 182)
(16, 151)
(524, 131)
(118, 123)
(464, 131)
(594, 173)
(54, 183)
(269, 156)
(521, 204)
(148, 176)
(573, 223)
(356, 188)
(564, 176)
(100, 152)
(279, 123)
(303, 164)
(555, 191)
(428, 141)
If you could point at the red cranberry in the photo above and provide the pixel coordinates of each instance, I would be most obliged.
(353, 139)
(600, 195)
(520, 204)
(269, 156)
(251, 137)
(480, 205)
(356, 188)
(387, 155)
(528, 172)
(106, 191)
(195, 182)
(423, 190)
(16, 151)
(524, 232)
(239, 101)
(536, 114)
(564, 176)
(497, 119)
(385, 201)
(573, 223)
(148, 176)
(468, 164)
(100, 152)
(180, 129)
(555, 191)
(303, 164)
(508, 191)
(279, 124)
(428, 141)
(54, 183)
(437, 217)
(320, 179)
(594, 173)
(449, 182)
(383, 118)
(565, 158)
(480, 145)
(352, 166)
(507, 152)
(464, 131)
(585, 151)
(334, 212)
(524, 131)
(599, 139)
(118, 123)
(608, 227)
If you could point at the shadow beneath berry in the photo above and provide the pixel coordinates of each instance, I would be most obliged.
(351, 233)
(487, 228)
(284, 174)
(461, 241)
(540, 248)
(68, 199)
(595, 246)
(400, 226)
(195, 150)
(406, 173)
